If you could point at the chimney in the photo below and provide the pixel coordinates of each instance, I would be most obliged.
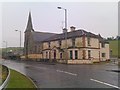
(64, 30)
(72, 28)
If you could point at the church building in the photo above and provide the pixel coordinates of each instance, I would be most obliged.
(73, 47)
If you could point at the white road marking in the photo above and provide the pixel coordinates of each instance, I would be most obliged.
(105, 83)
(67, 72)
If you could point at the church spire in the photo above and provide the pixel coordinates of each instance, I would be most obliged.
(29, 24)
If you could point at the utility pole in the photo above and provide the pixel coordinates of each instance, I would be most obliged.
(65, 31)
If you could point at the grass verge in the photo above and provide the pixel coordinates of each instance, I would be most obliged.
(115, 47)
(18, 80)
(3, 73)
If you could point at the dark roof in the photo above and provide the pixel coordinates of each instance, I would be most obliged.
(103, 40)
(41, 36)
(76, 33)
(45, 36)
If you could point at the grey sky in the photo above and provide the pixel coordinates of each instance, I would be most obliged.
(96, 17)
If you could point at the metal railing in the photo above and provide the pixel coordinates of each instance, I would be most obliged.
(4, 84)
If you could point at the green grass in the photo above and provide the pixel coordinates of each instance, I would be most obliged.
(115, 46)
(18, 80)
(3, 73)
(10, 48)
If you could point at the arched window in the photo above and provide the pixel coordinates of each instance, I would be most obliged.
(54, 54)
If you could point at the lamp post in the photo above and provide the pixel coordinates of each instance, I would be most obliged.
(5, 47)
(20, 39)
(65, 15)
(65, 30)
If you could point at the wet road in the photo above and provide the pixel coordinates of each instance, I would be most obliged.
(47, 75)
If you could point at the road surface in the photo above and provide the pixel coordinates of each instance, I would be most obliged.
(48, 75)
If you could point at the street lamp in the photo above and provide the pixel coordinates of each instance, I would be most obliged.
(65, 15)
(65, 30)
(20, 38)
(5, 47)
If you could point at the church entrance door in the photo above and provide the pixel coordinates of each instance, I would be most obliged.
(54, 54)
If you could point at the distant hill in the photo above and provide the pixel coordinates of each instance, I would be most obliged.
(115, 47)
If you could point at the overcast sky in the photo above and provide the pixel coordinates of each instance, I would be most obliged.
(97, 17)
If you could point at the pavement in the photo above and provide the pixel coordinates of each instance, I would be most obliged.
(49, 75)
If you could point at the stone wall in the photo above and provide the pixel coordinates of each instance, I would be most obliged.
(79, 62)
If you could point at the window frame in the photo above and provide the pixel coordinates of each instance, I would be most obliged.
(103, 45)
(46, 55)
(88, 41)
(89, 53)
(60, 43)
(103, 55)
(71, 54)
(61, 55)
(76, 54)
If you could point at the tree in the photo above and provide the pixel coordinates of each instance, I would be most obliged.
(117, 37)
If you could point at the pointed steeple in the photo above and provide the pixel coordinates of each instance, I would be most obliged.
(29, 24)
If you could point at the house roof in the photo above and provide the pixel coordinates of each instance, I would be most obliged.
(76, 33)
(45, 36)
(102, 40)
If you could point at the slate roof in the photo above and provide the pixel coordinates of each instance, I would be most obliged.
(76, 33)
(45, 37)
(102, 40)
(41, 36)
